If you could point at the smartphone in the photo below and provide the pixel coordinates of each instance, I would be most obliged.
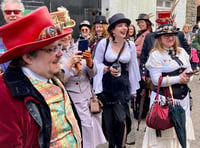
(190, 72)
(83, 45)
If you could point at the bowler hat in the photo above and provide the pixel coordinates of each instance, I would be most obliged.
(116, 19)
(166, 29)
(85, 23)
(100, 20)
(31, 32)
(143, 16)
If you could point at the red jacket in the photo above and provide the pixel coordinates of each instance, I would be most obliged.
(17, 128)
(22, 117)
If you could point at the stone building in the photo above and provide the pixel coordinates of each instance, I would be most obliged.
(197, 9)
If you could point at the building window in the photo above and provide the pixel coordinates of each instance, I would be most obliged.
(164, 3)
(168, 4)
(160, 3)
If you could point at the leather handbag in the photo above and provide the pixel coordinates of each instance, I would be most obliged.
(158, 117)
(95, 104)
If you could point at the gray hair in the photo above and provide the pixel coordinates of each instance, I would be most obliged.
(14, 1)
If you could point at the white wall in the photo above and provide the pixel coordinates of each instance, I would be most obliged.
(180, 12)
(130, 8)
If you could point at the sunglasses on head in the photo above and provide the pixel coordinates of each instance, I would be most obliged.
(8, 12)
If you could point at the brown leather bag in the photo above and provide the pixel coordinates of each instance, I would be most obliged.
(95, 105)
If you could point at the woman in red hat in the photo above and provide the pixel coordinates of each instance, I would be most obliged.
(36, 109)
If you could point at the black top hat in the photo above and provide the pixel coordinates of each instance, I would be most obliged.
(166, 29)
(143, 16)
(116, 19)
(100, 20)
(85, 23)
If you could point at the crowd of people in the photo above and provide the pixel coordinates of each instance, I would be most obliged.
(47, 82)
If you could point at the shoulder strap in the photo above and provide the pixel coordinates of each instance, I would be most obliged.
(107, 42)
(172, 53)
(120, 51)
(158, 87)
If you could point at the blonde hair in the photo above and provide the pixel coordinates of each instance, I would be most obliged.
(93, 32)
(186, 25)
(158, 45)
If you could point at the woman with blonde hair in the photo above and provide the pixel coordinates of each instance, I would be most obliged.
(187, 33)
(169, 61)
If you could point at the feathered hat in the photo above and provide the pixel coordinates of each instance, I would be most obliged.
(61, 16)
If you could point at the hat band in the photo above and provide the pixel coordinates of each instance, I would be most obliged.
(50, 32)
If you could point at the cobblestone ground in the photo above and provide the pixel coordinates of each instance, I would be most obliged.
(137, 136)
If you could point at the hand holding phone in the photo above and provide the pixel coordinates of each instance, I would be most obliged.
(190, 73)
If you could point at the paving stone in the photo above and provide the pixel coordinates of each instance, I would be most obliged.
(137, 136)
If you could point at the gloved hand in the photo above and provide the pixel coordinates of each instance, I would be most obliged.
(88, 57)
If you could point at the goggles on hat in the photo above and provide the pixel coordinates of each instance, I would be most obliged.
(8, 12)
(168, 29)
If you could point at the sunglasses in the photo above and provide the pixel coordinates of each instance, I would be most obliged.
(9, 12)
(84, 30)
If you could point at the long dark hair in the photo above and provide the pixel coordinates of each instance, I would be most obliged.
(134, 33)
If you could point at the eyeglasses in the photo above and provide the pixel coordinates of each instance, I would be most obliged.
(84, 30)
(167, 36)
(54, 50)
(9, 12)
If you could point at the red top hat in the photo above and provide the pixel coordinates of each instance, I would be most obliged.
(164, 17)
(31, 32)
